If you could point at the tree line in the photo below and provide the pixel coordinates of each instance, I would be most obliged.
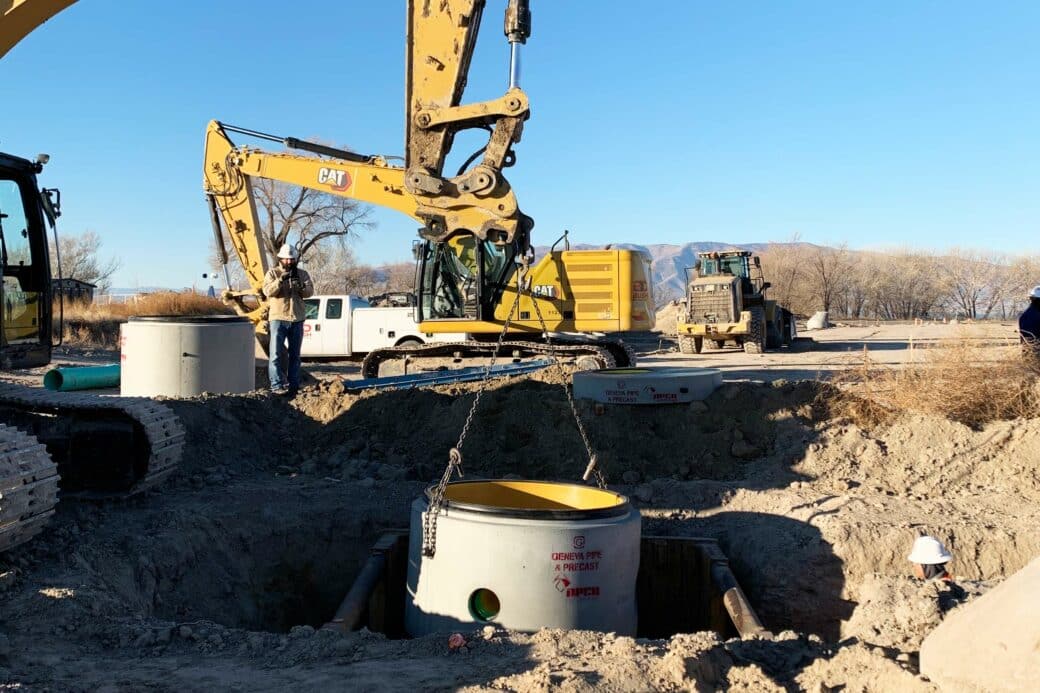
(901, 283)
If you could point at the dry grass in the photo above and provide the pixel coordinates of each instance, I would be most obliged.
(964, 379)
(97, 325)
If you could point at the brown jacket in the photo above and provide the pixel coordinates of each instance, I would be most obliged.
(286, 303)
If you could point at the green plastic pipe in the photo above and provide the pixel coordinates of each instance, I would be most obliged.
(81, 378)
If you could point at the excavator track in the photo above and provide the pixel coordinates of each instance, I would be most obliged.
(28, 487)
(104, 447)
(606, 353)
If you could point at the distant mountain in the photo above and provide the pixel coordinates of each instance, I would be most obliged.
(669, 262)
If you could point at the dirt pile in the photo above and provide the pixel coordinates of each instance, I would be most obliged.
(526, 427)
(898, 612)
(667, 318)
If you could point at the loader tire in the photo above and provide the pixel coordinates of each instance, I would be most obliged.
(689, 344)
(755, 342)
(714, 344)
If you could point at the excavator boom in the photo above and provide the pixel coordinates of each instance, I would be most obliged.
(18, 18)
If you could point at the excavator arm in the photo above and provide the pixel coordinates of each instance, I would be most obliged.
(478, 203)
(229, 172)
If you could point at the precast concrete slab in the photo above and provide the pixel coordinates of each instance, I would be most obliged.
(992, 643)
(664, 385)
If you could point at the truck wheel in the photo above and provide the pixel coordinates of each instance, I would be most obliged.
(690, 345)
(787, 327)
(409, 342)
(713, 344)
(755, 341)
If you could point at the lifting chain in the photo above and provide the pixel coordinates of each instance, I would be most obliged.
(590, 469)
(429, 538)
(429, 545)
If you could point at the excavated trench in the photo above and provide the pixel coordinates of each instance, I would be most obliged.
(285, 563)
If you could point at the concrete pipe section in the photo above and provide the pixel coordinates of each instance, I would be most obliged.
(647, 385)
(186, 356)
(524, 555)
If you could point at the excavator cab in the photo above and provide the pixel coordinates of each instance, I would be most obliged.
(25, 292)
(463, 278)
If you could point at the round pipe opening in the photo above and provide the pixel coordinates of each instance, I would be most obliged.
(533, 499)
(484, 604)
(53, 379)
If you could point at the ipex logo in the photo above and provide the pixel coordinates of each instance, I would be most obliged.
(334, 178)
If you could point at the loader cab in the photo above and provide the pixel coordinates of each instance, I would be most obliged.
(462, 278)
(743, 266)
(734, 266)
(25, 292)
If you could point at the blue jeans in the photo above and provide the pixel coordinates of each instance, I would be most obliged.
(286, 339)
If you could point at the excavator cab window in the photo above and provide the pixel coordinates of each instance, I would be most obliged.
(461, 276)
(20, 255)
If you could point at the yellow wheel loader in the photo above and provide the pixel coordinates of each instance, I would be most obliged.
(726, 301)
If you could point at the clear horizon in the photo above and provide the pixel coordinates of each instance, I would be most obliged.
(883, 125)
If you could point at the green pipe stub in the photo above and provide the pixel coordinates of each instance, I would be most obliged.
(82, 378)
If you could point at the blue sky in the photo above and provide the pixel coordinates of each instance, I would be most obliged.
(879, 124)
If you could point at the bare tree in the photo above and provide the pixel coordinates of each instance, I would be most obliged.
(973, 279)
(828, 274)
(1022, 275)
(80, 259)
(909, 285)
(311, 216)
(399, 276)
(784, 267)
(334, 268)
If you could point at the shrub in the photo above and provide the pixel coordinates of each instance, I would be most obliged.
(964, 379)
(97, 325)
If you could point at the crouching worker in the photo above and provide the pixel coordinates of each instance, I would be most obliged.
(930, 557)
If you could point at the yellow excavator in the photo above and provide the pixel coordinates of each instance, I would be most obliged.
(475, 273)
(91, 446)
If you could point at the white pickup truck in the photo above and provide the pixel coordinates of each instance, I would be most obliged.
(347, 325)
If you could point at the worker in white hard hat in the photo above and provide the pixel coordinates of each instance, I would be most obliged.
(930, 557)
(1029, 321)
(285, 287)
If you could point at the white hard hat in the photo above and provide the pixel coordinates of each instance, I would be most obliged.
(1035, 293)
(929, 551)
(287, 252)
